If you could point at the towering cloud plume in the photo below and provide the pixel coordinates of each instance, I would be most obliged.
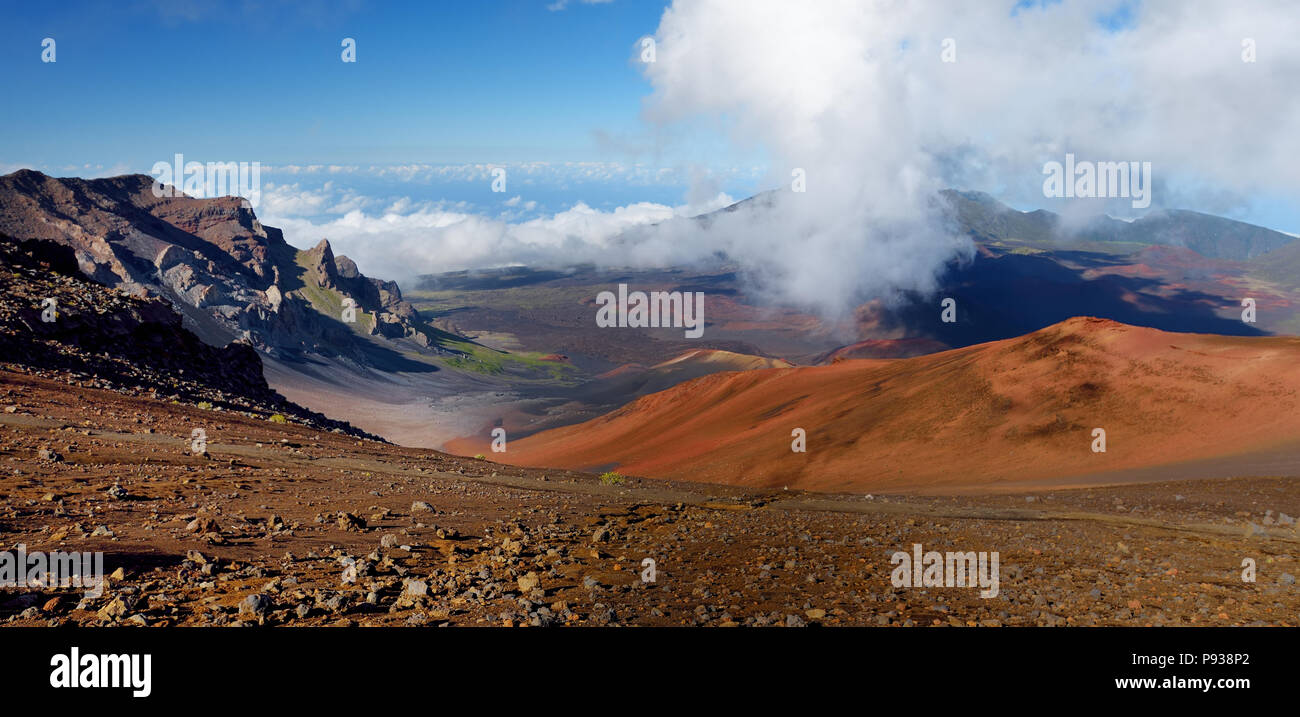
(883, 103)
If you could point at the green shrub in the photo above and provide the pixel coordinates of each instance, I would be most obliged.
(611, 478)
(278, 418)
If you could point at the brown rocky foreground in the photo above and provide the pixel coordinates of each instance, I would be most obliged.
(267, 526)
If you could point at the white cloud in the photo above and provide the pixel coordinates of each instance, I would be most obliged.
(292, 200)
(402, 238)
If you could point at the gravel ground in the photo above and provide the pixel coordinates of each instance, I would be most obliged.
(285, 524)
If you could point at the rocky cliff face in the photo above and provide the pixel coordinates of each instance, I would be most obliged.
(230, 277)
(56, 323)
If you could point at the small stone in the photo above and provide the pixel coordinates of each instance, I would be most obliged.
(254, 606)
(115, 609)
(415, 588)
(529, 582)
(348, 521)
(202, 526)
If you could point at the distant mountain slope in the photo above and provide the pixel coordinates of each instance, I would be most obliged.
(1281, 265)
(968, 419)
(1176, 271)
(1215, 237)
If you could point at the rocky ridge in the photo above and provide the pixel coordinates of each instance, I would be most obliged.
(229, 276)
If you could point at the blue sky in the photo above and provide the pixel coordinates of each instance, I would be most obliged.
(435, 83)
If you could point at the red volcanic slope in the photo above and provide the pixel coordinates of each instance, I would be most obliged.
(974, 418)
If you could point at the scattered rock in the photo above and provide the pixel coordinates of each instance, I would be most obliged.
(254, 606)
(350, 522)
(113, 610)
(529, 582)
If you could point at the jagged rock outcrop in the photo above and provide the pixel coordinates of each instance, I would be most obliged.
(393, 316)
(320, 266)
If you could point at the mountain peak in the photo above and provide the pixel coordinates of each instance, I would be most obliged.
(323, 247)
(320, 265)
